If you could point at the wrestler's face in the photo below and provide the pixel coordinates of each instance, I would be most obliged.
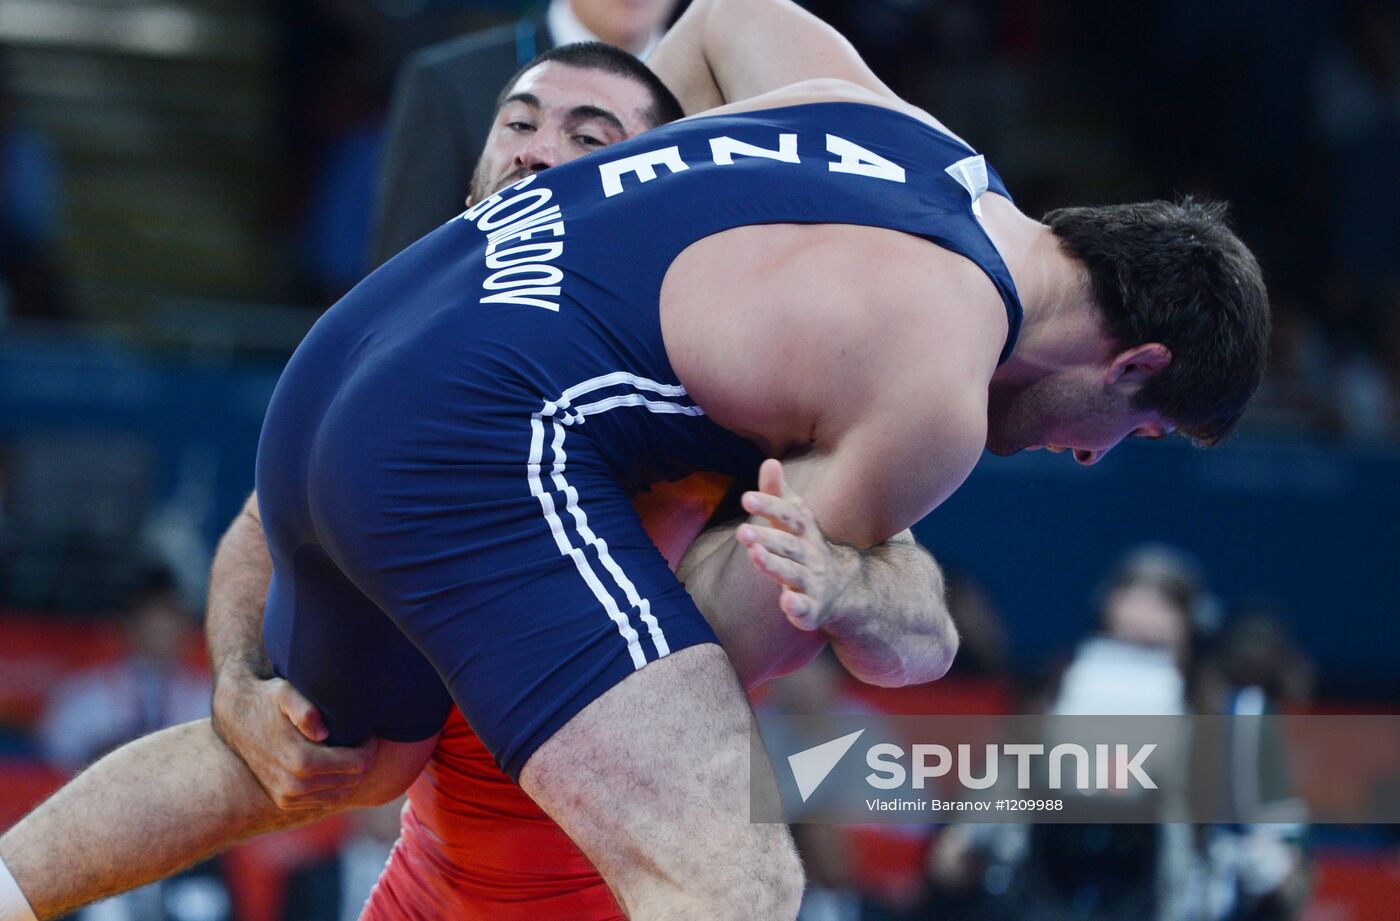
(1086, 410)
(556, 113)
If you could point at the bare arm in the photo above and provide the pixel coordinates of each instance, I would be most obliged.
(890, 626)
(742, 55)
(886, 442)
(727, 50)
(238, 584)
(156, 805)
(264, 719)
(881, 605)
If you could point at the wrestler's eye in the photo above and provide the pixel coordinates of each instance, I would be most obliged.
(588, 140)
(520, 127)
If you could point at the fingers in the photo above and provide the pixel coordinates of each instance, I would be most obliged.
(292, 795)
(780, 569)
(311, 776)
(798, 606)
(770, 478)
(800, 610)
(277, 732)
(779, 542)
(786, 513)
(305, 717)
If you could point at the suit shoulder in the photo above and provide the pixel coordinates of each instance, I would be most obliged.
(470, 50)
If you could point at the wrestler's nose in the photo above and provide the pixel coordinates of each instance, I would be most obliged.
(539, 154)
(1089, 458)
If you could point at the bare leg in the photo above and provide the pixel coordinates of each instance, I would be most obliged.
(155, 806)
(143, 812)
(651, 780)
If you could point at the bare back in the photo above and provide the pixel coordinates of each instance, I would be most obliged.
(794, 335)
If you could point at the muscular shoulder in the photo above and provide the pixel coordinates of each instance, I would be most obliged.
(930, 320)
(904, 365)
(840, 327)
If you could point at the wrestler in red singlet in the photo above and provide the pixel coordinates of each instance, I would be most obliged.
(474, 847)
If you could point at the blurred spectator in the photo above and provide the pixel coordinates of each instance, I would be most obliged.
(854, 873)
(1255, 652)
(29, 209)
(336, 888)
(1260, 871)
(1155, 598)
(1156, 617)
(1136, 664)
(445, 101)
(1295, 393)
(826, 857)
(149, 689)
(1363, 393)
(1357, 113)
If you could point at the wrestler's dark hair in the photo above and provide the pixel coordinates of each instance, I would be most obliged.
(1175, 273)
(600, 56)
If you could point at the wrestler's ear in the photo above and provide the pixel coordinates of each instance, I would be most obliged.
(1137, 364)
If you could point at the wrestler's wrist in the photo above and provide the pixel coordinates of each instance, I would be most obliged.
(233, 680)
(847, 568)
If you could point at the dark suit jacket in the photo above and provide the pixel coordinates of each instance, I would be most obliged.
(444, 102)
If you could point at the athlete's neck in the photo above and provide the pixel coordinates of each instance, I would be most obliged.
(1061, 325)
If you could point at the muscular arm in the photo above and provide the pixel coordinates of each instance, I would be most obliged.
(238, 584)
(881, 607)
(264, 719)
(742, 55)
(890, 624)
(884, 442)
(727, 50)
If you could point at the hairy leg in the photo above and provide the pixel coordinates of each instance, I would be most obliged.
(155, 806)
(652, 781)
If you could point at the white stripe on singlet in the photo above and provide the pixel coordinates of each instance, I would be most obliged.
(554, 416)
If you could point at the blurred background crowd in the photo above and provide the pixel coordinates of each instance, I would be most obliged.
(186, 184)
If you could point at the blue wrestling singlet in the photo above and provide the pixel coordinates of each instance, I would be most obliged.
(446, 465)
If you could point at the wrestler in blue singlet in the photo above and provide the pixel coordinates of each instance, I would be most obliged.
(446, 466)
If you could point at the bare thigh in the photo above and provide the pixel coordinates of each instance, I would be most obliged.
(651, 780)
